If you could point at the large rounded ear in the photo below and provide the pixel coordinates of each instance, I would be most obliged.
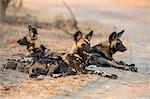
(112, 36)
(77, 36)
(89, 36)
(30, 28)
(120, 33)
(34, 31)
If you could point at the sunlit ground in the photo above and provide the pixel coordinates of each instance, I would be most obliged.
(102, 16)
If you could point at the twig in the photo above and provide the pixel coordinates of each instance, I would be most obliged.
(73, 17)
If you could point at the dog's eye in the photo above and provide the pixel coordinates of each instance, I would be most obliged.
(118, 44)
(83, 45)
(25, 38)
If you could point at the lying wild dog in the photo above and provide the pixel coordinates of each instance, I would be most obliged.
(38, 54)
(34, 46)
(46, 61)
(102, 54)
(77, 56)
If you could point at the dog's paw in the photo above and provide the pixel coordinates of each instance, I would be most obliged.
(134, 69)
(104, 74)
(132, 65)
(98, 72)
(131, 68)
(56, 75)
(112, 76)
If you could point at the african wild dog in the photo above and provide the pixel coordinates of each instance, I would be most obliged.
(32, 42)
(77, 56)
(38, 63)
(102, 54)
(79, 52)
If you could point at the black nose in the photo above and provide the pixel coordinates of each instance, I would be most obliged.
(19, 41)
(124, 49)
(22, 41)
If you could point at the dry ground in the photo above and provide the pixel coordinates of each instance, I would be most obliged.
(103, 16)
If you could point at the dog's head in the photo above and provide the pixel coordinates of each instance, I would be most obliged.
(32, 35)
(115, 42)
(31, 41)
(23, 41)
(82, 44)
(35, 52)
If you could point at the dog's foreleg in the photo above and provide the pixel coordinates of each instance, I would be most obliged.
(126, 65)
(120, 66)
(103, 61)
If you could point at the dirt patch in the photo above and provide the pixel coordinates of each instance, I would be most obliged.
(48, 87)
(119, 90)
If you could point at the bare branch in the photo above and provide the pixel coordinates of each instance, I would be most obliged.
(66, 31)
(73, 17)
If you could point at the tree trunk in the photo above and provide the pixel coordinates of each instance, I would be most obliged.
(3, 8)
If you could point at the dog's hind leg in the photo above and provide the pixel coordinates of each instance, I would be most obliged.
(103, 74)
(91, 70)
(52, 68)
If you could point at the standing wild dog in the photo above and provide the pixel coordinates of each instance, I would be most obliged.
(77, 56)
(102, 54)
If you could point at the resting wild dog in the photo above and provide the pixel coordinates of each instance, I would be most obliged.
(102, 54)
(79, 52)
(38, 53)
(77, 56)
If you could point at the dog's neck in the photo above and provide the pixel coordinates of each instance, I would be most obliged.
(75, 50)
(82, 54)
(107, 45)
(104, 50)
